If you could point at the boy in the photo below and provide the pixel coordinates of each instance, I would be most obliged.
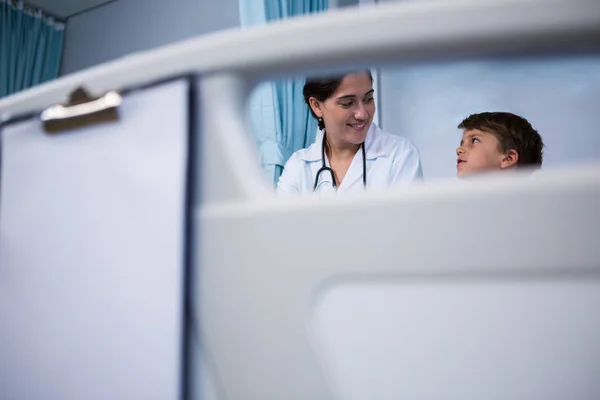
(494, 141)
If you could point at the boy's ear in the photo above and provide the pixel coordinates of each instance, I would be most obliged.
(316, 106)
(510, 159)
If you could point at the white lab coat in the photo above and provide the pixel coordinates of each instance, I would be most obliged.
(391, 160)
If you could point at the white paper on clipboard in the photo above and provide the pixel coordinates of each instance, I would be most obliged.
(91, 253)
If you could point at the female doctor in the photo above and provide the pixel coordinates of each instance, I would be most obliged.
(352, 153)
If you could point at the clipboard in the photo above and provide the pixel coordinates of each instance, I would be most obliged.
(93, 246)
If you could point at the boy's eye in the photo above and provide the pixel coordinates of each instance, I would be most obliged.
(475, 140)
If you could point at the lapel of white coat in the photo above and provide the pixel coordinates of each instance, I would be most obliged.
(355, 172)
(354, 175)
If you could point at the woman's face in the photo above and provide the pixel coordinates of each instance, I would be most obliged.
(349, 111)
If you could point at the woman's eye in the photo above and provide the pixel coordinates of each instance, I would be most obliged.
(347, 105)
(369, 100)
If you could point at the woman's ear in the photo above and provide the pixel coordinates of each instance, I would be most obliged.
(316, 106)
(510, 159)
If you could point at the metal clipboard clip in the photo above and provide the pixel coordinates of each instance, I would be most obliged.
(81, 110)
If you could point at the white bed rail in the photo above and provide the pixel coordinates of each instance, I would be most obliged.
(403, 31)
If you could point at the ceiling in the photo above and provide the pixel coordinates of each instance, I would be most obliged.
(66, 8)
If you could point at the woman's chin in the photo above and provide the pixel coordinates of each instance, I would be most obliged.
(356, 136)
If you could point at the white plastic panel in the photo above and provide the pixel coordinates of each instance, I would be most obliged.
(515, 337)
(91, 254)
(520, 243)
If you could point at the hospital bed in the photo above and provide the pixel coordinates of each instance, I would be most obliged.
(191, 279)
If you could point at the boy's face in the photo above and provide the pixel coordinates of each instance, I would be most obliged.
(480, 152)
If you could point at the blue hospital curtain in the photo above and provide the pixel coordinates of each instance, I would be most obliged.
(295, 127)
(281, 121)
(30, 47)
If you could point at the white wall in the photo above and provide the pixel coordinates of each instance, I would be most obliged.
(125, 26)
(560, 97)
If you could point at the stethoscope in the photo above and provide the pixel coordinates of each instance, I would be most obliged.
(325, 168)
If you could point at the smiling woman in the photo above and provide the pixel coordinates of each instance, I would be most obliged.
(344, 109)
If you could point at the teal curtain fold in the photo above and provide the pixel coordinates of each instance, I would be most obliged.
(282, 9)
(281, 121)
(295, 127)
(31, 45)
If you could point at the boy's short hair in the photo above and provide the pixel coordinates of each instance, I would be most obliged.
(512, 132)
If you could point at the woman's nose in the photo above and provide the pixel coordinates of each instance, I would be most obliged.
(361, 113)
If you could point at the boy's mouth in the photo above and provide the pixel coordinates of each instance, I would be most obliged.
(460, 161)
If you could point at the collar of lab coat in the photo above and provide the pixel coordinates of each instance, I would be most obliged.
(373, 147)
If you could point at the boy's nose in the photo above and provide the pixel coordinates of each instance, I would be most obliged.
(459, 151)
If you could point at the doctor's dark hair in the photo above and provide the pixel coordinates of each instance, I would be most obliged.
(512, 132)
(322, 88)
